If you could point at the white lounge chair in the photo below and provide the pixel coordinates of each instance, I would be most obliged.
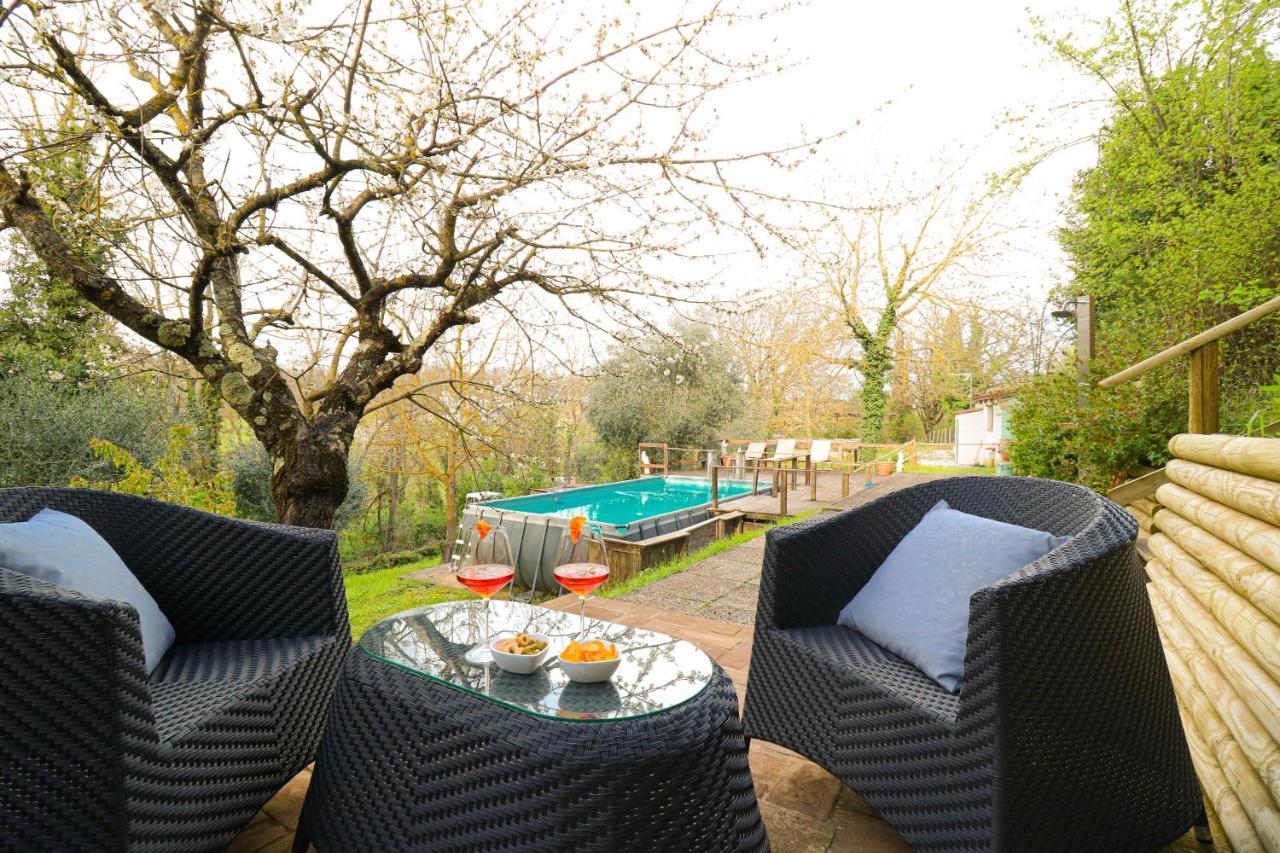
(820, 450)
(755, 453)
(785, 451)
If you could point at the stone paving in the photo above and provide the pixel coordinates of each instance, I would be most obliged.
(725, 587)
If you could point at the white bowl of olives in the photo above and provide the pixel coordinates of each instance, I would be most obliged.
(520, 653)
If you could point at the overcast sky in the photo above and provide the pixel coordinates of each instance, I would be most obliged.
(929, 79)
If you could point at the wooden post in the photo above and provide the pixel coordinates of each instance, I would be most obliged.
(813, 484)
(715, 486)
(1203, 405)
(755, 479)
(844, 484)
(782, 503)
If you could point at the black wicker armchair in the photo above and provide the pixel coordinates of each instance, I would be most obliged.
(1064, 735)
(97, 755)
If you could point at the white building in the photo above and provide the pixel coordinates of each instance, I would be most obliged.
(982, 432)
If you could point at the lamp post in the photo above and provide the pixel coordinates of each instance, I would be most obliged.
(1081, 310)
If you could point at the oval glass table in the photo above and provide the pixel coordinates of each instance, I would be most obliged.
(425, 751)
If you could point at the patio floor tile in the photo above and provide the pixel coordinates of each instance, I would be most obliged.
(804, 787)
(867, 833)
(729, 566)
(286, 805)
(791, 832)
(744, 596)
(264, 830)
(729, 613)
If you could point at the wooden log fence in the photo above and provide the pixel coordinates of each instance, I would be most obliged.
(1214, 540)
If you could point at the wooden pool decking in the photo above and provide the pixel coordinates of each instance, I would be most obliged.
(829, 494)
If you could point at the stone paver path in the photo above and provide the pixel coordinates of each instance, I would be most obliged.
(725, 587)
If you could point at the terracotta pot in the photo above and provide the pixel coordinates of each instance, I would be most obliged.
(884, 468)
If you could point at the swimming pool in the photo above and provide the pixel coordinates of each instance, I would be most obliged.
(628, 509)
(625, 503)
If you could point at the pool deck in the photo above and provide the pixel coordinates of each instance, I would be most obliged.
(826, 493)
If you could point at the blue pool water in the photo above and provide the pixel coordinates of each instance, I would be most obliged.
(625, 502)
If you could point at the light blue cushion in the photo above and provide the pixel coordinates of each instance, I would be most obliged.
(61, 549)
(916, 605)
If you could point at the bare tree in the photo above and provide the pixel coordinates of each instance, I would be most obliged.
(375, 177)
(885, 263)
(793, 368)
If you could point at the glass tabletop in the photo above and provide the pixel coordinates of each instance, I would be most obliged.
(657, 672)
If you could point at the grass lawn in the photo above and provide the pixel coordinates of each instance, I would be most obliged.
(656, 573)
(374, 595)
(949, 469)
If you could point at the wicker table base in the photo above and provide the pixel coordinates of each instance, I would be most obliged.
(408, 763)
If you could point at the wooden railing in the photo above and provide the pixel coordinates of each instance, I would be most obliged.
(1203, 400)
(652, 467)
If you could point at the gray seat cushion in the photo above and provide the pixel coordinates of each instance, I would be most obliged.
(874, 667)
(199, 681)
(916, 604)
(63, 550)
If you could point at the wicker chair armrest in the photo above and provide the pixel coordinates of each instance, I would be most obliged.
(813, 568)
(74, 697)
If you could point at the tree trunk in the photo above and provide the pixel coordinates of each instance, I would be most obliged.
(875, 365)
(450, 489)
(205, 407)
(393, 511)
(310, 478)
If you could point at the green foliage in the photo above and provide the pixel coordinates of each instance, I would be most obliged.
(597, 462)
(680, 390)
(875, 365)
(953, 470)
(428, 555)
(48, 417)
(1182, 212)
(1114, 432)
(1175, 229)
(42, 314)
(1269, 414)
(173, 477)
(250, 468)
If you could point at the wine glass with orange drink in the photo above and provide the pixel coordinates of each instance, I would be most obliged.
(485, 579)
(580, 578)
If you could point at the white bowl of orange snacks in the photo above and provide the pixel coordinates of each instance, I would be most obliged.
(590, 661)
(520, 653)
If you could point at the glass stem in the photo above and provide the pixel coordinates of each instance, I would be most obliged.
(486, 624)
(582, 616)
